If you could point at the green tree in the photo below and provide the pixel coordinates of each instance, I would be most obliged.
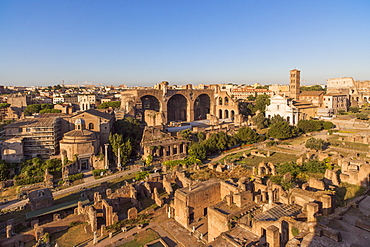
(126, 150)
(130, 129)
(4, 171)
(116, 141)
(312, 88)
(141, 175)
(260, 121)
(275, 119)
(251, 98)
(50, 111)
(112, 104)
(354, 109)
(186, 134)
(262, 101)
(314, 166)
(198, 150)
(247, 135)
(362, 116)
(314, 143)
(149, 160)
(310, 125)
(327, 125)
(201, 136)
(282, 130)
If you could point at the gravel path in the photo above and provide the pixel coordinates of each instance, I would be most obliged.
(15, 203)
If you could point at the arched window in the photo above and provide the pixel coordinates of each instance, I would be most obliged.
(91, 126)
(220, 101)
(226, 101)
(220, 113)
(226, 114)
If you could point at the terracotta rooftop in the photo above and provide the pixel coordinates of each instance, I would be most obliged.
(311, 93)
(33, 122)
(96, 113)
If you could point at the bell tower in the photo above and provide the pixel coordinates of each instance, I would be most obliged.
(295, 83)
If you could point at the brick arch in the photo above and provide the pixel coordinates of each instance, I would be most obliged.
(202, 105)
(150, 102)
(177, 108)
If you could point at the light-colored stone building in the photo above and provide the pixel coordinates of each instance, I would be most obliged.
(95, 120)
(80, 145)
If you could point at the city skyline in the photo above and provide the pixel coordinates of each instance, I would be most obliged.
(143, 43)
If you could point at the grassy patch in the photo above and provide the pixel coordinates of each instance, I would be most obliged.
(18, 216)
(142, 238)
(118, 182)
(67, 197)
(347, 191)
(71, 237)
(9, 194)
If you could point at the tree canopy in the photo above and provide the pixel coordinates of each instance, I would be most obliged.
(36, 108)
(312, 88)
(282, 130)
(112, 104)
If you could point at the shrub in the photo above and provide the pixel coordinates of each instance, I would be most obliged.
(295, 231)
(97, 172)
(75, 177)
(74, 223)
(328, 125)
(362, 116)
(314, 143)
(141, 175)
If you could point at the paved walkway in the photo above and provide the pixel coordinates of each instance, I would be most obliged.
(90, 182)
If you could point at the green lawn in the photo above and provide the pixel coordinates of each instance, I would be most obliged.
(142, 238)
(71, 237)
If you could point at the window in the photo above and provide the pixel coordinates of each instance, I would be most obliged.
(91, 126)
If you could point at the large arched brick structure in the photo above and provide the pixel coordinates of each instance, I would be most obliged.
(171, 102)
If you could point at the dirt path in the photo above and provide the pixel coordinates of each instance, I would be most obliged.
(14, 204)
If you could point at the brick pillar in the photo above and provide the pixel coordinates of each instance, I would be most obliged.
(312, 209)
(326, 205)
(273, 236)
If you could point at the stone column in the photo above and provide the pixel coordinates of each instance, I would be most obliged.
(273, 236)
(119, 165)
(95, 241)
(171, 150)
(106, 164)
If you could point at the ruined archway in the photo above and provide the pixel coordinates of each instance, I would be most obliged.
(148, 102)
(176, 108)
(201, 106)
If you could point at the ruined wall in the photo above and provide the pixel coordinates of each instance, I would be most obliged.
(200, 199)
(181, 208)
(217, 223)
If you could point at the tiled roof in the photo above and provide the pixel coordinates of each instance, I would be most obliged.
(33, 122)
(97, 113)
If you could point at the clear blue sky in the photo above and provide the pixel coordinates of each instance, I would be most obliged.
(136, 42)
